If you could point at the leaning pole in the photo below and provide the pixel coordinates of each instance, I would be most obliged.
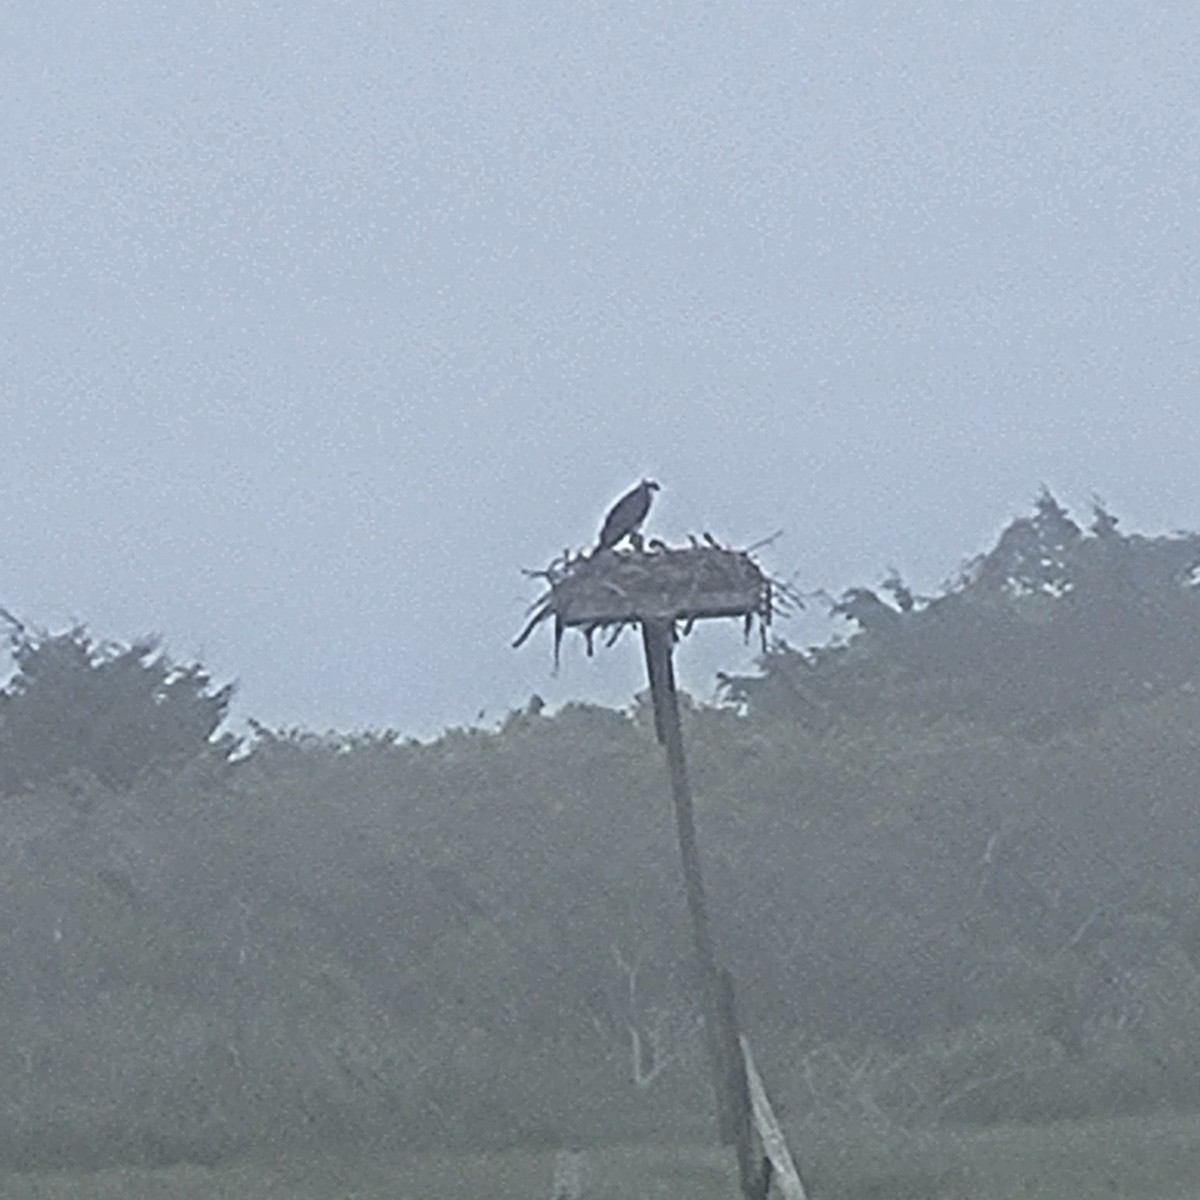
(665, 591)
(716, 988)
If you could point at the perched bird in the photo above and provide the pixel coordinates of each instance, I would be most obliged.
(626, 516)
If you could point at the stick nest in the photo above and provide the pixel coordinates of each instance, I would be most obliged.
(608, 590)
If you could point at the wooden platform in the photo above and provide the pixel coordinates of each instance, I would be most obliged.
(655, 585)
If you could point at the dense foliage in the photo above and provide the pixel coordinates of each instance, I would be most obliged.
(114, 711)
(1042, 633)
(936, 911)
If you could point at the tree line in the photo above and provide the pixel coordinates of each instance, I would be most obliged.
(952, 861)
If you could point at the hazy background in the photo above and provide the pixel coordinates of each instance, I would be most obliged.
(319, 321)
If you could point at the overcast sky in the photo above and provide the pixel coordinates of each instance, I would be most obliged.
(318, 321)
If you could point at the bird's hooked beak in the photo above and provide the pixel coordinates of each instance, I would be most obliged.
(650, 485)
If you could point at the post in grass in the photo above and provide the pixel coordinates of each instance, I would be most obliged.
(666, 590)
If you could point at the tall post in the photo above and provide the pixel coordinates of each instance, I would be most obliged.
(655, 588)
(716, 998)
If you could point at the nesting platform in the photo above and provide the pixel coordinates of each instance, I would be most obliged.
(660, 585)
(609, 589)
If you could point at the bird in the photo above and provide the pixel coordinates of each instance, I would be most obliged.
(626, 516)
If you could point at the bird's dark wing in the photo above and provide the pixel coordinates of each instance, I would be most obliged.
(625, 516)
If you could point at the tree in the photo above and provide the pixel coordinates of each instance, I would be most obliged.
(1043, 632)
(109, 709)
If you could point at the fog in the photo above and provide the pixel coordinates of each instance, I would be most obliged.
(319, 322)
(322, 326)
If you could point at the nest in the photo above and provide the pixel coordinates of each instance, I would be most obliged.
(608, 590)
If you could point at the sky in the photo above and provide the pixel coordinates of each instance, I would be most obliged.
(320, 321)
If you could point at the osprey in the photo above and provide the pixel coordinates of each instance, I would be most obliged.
(626, 516)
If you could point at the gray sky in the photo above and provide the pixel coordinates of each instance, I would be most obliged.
(319, 321)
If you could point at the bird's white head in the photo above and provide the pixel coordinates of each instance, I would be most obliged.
(650, 485)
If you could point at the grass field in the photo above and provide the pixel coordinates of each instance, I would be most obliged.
(1138, 1158)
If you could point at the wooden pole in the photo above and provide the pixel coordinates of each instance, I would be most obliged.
(734, 1120)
